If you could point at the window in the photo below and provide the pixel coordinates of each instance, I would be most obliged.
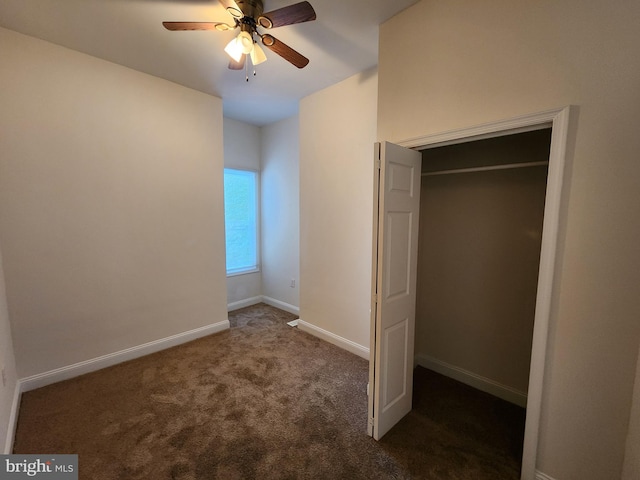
(241, 220)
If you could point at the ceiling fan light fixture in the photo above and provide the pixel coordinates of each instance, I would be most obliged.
(248, 15)
(234, 49)
(257, 55)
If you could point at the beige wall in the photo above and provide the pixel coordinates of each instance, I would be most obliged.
(479, 251)
(337, 132)
(476, 62)
(242, 150)
(111, 218)
(7, 360)
(280, 185)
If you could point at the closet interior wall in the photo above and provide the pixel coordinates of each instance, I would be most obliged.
(478, 258)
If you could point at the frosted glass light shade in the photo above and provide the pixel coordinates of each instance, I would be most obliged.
(246, 41)
(234, 49)
(257, 55)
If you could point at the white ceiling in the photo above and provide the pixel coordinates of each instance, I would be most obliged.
(340, 43)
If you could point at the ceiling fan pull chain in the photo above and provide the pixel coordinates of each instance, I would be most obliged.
(246, 70)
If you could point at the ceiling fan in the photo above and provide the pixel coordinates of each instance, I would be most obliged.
(248, 15)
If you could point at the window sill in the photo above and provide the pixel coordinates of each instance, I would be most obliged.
(243, 272)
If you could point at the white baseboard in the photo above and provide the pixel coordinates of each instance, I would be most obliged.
(281, 305)
(543, 476)
(334, 339)
(13, 418)
(476, 381)
(247, 302)
(77, 369)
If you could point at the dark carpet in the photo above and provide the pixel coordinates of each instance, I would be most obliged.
(264, 400)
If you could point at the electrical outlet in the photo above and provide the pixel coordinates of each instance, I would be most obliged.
(293, 283)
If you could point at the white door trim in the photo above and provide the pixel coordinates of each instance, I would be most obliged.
(558, 120)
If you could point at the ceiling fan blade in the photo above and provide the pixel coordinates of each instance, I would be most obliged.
(285, 51)
(232, 7)
(175, 26)
(239, 65)
(296, 13)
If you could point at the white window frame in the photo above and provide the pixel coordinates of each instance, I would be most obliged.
(256, 269)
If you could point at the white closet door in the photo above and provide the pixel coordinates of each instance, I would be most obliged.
(394, 285)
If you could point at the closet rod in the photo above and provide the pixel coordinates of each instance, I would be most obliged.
(488, 168)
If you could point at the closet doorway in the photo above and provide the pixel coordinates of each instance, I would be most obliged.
(481, 217)
(386, 358)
